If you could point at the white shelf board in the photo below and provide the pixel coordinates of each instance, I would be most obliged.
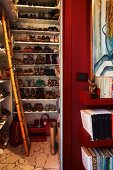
(38, 21)
(39, 99)
(33, 9)
(36, 43)
(33, 65)
(43, 112)
(34, 53)
(34, 32)
(33, 87)
(39, 76)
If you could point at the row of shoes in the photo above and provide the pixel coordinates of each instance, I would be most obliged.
(3, 94)
(2, 45)
(36, 49)
(38, 107)
(36, 71)
(52, 3)
(4, 114)
(34, 38)
(38, 93)
(29, 59)
(38, 83)
(51, 15)
(20, 27)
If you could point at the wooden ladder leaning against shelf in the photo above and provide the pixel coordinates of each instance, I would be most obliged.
(15, 86)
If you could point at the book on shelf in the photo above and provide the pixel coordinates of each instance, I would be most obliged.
(110, 151)
(97, 122)
(97, 158)
(105, 158)
(94, 159)
(103, 82)
(86, 158)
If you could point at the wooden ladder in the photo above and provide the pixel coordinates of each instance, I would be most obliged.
(15, 86)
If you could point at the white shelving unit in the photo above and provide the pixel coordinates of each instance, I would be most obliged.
(40, 23)
(41, 27)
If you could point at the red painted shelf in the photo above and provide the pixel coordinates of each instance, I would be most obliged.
(85, 98)
(85, 140)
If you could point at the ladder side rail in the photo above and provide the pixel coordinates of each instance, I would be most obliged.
(13, 83)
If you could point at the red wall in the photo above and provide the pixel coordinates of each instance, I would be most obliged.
(76, 59)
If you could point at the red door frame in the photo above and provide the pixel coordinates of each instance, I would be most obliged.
(67, 85)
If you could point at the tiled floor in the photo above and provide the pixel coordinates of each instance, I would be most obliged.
(40, 158)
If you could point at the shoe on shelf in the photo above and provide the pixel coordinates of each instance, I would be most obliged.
(47, 49)
(48, 60)
(54, 59)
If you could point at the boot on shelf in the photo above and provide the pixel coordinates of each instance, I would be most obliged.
(53, 130)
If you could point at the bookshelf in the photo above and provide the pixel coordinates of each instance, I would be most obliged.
(85, 140)
(84, 137)
(85, 99)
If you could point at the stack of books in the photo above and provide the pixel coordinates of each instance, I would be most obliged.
(103, 82)
(97, 158)
(98, 123)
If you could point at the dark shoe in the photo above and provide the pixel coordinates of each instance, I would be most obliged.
(48, 60)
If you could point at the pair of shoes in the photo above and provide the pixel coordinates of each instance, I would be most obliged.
(38, 107)
(48, 50)
(40, 94)
(54, 39)
(39, 71)
(30, 93)
(50, 107)
(28, 59)
(40, 60)
(27, 107)
(38, 49)
(28, 72)
(17, 61)
(17, 49)
(52, 83)
(19, 72)
(50, 94)
(55, 29)
(54, 14)
(45, 39)
(40, 83)
(28, 49)
(49, 72)
(41, 16)
(52, 60)
(29, 83)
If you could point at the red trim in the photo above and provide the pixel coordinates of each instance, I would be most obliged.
(67, 85)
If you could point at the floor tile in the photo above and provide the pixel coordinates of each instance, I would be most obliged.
(13, 158)
(52, 162)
